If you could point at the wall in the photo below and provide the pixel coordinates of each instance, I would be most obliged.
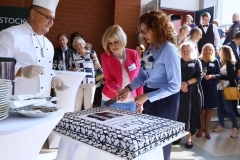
(91, 18)
(178, 24)
(187, 5)
(127, 16)
(228, 9)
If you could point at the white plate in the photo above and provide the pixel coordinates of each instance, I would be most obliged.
(3, 114)
(1, 118)
(4, 102)
(36, 115)
(4, 109)
(4, 99)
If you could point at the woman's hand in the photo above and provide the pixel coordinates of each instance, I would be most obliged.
(122, 94)
(208, 77)
(184, 85)
(184, 90)
(139, 108)
(93, 57)
(74, 69)
(141, 99)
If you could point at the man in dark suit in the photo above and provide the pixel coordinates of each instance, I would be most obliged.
(234, 44)
(63, 53)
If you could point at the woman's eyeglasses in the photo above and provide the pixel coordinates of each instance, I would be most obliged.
(113, 43)
(48, 18)
(145, 31)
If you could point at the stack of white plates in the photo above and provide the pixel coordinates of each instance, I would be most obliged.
(5, 95)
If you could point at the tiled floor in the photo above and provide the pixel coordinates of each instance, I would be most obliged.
(220, 147)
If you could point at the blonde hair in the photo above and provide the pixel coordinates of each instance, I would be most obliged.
(216, 21)
(114, 31)
(186, 44)
(212, 56)
(185, 27)
(228, 55)
(188, 15)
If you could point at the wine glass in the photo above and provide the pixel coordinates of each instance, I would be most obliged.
(60, 65)
(54, 64)
(204, 71)
(78, 67)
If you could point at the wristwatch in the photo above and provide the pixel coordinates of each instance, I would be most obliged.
(129, 87)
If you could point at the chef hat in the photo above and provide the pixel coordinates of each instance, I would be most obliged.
(48, 4)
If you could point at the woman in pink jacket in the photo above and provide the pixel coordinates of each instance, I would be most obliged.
(120, 66)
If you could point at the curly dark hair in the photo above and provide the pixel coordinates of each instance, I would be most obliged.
(159, 23)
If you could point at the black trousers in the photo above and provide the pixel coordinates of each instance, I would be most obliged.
(165, 108)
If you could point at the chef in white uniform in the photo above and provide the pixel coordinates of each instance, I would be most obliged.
(32, 50)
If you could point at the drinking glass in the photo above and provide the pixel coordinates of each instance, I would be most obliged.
(54, 64)
(204, 71)
(60, 65)
(78, 67)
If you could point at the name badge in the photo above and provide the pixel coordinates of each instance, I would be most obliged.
(132, 67)
(211, 64)
(191, 64)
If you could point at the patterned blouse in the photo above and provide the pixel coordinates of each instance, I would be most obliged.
(84, 64)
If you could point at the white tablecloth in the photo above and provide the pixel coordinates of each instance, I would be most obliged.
(73, 81)
(67, 97)
(21, 138)
(70, 149)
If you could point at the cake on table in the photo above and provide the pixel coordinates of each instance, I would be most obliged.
(120, 132)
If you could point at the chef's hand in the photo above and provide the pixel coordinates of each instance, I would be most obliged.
(57, 84)
(141, 99)
(31, 71)
(122, 94)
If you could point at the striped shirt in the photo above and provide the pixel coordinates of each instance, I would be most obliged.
(84, 64)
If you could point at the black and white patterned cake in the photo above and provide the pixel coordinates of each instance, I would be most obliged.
(123, 133)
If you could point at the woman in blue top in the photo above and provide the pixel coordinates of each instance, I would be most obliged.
(162, 82)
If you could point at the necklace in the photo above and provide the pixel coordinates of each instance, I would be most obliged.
(42, 48)
(124, 57)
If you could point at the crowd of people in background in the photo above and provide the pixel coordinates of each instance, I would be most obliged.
(177, 77)
(201, 70)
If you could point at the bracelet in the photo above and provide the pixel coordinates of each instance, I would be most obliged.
(95, 61)
(187, 83)
(129, 87)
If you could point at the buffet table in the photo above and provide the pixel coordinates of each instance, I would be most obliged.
(67, 97)
(110, 133)
(21, 138)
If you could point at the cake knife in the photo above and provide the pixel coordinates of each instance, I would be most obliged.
(110, 101)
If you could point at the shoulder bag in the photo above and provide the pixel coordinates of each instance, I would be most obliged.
(230, 93)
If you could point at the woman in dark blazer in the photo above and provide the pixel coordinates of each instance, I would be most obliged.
(227, 78)
(211, 74)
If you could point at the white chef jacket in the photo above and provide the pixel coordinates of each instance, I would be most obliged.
(21, 43)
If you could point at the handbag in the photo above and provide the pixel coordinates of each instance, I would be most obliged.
(230, 93)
